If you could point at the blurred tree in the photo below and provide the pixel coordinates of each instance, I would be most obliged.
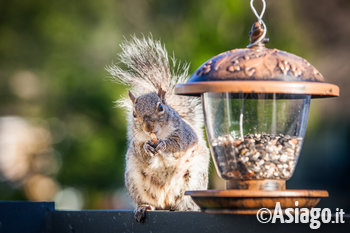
(66, 45)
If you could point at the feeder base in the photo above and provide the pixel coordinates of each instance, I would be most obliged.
(250, 201)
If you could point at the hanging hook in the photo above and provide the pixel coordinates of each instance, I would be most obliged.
(258, 31)
(255, 12)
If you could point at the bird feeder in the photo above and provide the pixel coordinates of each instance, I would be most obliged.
(256, 103)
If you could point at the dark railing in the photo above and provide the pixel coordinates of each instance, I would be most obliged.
(30, 217)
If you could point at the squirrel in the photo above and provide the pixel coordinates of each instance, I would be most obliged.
(167, 152)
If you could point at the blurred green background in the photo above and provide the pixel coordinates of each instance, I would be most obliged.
(62, 139)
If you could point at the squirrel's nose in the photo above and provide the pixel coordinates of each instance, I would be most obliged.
(148, 126)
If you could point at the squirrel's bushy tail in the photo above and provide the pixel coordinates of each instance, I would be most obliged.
(145, 67)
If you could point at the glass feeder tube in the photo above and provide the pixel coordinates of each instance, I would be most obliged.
(255, 136)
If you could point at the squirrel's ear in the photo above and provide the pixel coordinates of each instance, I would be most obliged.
(161, 94)
(132, 97)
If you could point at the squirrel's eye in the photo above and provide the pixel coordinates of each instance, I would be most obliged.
(134, 114)
(160, 108)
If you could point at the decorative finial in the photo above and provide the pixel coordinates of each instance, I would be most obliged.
(258, 31)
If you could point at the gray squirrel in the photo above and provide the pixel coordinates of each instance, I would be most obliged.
(167, 152)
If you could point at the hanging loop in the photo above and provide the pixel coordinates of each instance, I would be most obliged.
(259, 17)
(258, 31)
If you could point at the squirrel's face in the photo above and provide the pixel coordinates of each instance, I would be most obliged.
(150, 113)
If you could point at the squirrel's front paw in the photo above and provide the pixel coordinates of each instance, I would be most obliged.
(140, 212)
(160, 146)
(149, 148)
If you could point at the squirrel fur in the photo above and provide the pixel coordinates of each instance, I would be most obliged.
(157, 174)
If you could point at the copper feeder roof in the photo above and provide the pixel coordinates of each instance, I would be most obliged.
(258, 70)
